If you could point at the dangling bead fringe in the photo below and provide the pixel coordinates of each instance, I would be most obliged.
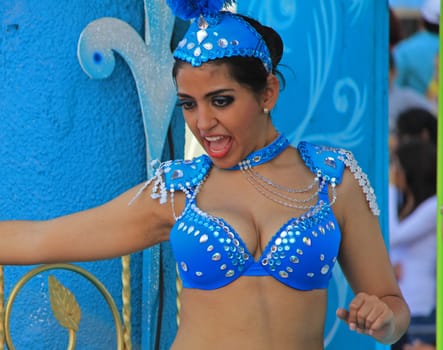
(348, 158)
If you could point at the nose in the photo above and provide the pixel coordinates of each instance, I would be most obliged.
(206, 118)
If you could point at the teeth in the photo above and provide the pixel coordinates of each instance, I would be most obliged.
(213, 138)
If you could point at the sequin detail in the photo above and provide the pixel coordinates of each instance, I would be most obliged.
(348, 158)
(211, 254)
(287, 256)
(221, 35)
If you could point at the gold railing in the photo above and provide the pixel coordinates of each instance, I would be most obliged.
(2, 309)
(179, 287)
(64, 305)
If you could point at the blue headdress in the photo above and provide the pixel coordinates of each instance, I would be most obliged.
(214, 33)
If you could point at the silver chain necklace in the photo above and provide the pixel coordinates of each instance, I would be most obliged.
(278, 193)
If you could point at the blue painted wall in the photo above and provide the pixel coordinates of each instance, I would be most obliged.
(66, 143)
(410, 4)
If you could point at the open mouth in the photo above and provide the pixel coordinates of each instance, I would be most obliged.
(217, 146)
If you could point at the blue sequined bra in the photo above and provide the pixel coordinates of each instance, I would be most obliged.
(301, 254)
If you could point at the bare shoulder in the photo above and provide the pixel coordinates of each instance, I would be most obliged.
(352, 199)
(144, 212)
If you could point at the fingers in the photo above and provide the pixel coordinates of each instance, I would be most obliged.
(367, 314)
(342, 314)
(362, 313)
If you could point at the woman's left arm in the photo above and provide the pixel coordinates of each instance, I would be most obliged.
(378, 308)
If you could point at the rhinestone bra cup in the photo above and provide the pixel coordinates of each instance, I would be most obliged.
(301, 254)
(211, 254)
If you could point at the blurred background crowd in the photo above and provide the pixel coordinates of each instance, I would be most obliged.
(413, 92)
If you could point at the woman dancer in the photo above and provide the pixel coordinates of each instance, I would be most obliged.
(256, 225)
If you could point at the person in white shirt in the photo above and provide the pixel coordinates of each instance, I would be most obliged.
(412, 228)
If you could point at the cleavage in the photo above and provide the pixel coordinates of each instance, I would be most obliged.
(245, 210)
(254, 241)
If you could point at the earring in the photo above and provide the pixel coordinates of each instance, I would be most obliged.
(265, 110)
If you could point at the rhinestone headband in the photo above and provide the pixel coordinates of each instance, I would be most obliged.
(221, 34)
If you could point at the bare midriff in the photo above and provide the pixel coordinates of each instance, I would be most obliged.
(257, 313)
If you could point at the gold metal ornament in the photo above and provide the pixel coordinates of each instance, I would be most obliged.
(63, 303)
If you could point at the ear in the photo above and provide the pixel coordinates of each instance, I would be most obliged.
(271, 92)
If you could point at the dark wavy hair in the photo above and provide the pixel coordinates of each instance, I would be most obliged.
(418, 160)
(413, 122)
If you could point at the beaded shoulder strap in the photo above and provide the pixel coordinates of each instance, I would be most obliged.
(176, 175)
(330, 163)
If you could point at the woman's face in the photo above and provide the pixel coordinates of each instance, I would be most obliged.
(226, 118)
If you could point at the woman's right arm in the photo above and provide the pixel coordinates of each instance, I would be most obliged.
(110, 230)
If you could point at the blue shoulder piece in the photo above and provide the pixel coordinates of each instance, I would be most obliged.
(322, 160)
(330, 163)
(185, 174)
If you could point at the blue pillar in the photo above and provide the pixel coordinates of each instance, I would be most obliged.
(67, 143)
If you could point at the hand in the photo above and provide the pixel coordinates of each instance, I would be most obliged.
(369, 315)
(418, 345)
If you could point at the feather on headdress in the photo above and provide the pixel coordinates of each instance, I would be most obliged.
(189, 9)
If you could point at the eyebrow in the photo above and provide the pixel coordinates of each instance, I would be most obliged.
(209, 94)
